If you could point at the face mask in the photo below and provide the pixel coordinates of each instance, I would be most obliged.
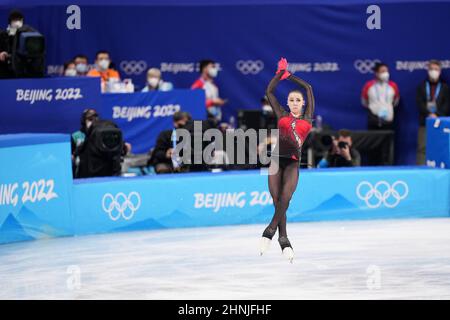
(434, 74)
(267, 108)
(103, 64)
(384, 76)
(16, 24)
(153, 82)
(88, 124)
(81, 68)
(70, 73)
(213, 72)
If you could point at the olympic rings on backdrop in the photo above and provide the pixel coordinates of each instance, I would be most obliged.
(365, 66)
(250, 66)
(133, 67)
(116, 206)
(383, 193)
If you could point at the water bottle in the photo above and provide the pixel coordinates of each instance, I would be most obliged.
(129, 86)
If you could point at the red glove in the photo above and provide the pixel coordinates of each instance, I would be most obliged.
(282, 67)
(285, 75)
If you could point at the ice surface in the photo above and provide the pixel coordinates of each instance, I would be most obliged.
(382, 259)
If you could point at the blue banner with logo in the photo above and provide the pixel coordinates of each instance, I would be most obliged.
(46, 105)
(35, 187)
(142, 116)
(158, 202)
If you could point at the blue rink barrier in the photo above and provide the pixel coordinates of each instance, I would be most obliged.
(38, 198)
(228, 198)
(35, 187)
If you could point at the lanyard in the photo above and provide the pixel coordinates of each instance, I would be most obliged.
(175, 159)
(436, 93)
(378, 92)
(174, 138)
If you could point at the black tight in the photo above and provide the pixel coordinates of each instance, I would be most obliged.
(282, 185)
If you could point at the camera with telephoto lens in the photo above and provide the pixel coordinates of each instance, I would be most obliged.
(101, 153)
(326, 141)
(342, 144)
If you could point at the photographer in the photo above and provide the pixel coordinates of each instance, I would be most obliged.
(340, 153)
(98, 147)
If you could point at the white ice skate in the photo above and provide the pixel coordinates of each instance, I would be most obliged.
(264, 245)
(266, 240)
(286, 248)
(289, 254)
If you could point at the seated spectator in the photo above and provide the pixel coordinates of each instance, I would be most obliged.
(81, 65)
(341, 153)
(214, 104)
(162, 156)
(69, 69)
(433, 101)
(102, 69)
(155, 82)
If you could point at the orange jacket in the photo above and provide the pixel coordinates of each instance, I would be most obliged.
(105, 75)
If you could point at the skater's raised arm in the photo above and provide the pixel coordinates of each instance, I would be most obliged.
(310, 104)
(270, 93)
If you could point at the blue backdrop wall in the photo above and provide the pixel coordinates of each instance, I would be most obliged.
(327, 43)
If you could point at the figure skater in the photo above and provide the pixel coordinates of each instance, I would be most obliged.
(294, 127)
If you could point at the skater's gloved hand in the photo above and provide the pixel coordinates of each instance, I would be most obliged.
(282, 67)
(285, 75)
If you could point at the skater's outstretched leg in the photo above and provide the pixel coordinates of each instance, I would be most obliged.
(289, 184)
(275, 185)
(269, 232)
(290, 180)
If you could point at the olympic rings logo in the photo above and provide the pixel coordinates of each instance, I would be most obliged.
(382, 193)
(365, 66)
(250, 66)
(133, 67)
(121, 205)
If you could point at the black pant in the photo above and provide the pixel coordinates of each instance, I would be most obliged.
(380, 156)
